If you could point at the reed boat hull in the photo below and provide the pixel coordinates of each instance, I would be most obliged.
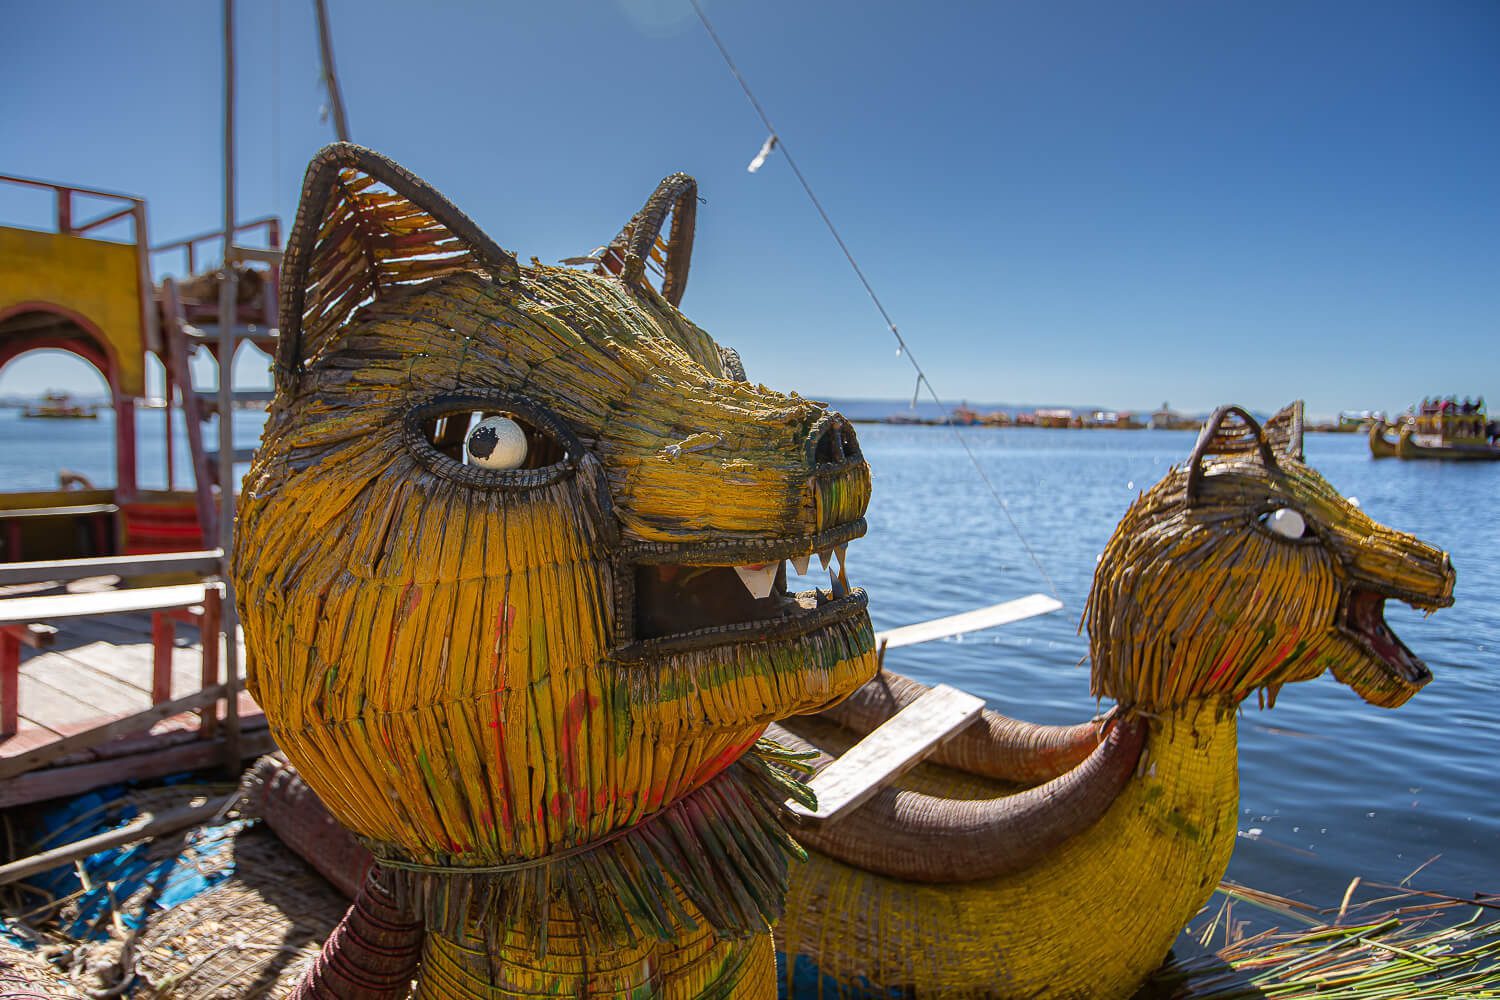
(1380, 445)
(1407, 446)
(1091, 916)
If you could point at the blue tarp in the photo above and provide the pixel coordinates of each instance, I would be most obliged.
(119, 873)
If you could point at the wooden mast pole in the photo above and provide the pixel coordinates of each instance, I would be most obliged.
(330, 78)
(228, 296)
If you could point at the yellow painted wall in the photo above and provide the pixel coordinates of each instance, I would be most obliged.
(96, 279)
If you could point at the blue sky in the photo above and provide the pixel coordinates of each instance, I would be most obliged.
(1070, 202)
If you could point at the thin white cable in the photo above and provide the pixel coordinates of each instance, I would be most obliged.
(902, 347)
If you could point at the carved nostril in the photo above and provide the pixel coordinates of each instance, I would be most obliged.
(837, 443)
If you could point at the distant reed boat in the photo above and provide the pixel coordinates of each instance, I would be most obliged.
(1440, 429)
(60, 406)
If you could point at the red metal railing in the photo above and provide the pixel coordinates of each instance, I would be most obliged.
(190, 244)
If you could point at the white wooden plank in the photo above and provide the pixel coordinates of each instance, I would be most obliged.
(26, 513)
(969, 621)
(15, 610)
(205, 562)
(901, 742)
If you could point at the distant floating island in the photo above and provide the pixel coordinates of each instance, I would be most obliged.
(926, 414)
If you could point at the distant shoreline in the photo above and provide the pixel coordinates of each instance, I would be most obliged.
(1320, 428)
(900, 413)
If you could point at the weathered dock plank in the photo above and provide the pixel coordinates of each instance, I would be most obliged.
(130, 663)
(98, 670)
(55, 782)
(84, 682)
(50, 706)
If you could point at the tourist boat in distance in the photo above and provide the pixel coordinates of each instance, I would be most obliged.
(60, 406)
(1442, 429)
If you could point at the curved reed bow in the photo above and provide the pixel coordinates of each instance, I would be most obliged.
(628, 252)
(342, 215)
(1216, 439)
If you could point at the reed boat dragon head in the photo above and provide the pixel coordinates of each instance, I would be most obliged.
(512, 553)
(1245, 570)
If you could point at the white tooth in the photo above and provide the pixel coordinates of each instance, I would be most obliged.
(800, 564)
(758, 579)
(825, 558)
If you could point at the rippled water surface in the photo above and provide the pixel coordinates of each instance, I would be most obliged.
(1330, 787)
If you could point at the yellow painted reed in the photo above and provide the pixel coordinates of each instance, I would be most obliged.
(1195, 596)
(439, 653)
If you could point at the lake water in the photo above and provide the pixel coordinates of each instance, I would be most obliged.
(1330, 787)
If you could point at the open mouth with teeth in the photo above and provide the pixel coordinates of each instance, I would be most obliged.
(700, 601)
(1362, 619)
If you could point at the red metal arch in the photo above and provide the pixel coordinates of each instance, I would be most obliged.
(96, 349)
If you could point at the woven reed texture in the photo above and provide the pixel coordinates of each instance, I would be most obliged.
(462, 966)
(372, 954)
(1197, 603)
(639, 244)
(998, 747)
(449, 653)
(697, 965)
(277, 794)
(1194, 595)
(254, 935)
(920, 837)
(25, 975)
(1092, 919)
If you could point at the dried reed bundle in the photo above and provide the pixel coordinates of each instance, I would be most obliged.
(715, 858)
(1406, 946)
(26, 975)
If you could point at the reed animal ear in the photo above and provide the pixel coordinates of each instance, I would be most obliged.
(366, 226)
(1231, 430)
(1284, 431)
(641, 248)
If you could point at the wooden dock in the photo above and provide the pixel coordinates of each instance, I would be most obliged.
(97, 670)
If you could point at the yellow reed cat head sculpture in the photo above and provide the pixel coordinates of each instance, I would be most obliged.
(1245, 570)
(511, 555)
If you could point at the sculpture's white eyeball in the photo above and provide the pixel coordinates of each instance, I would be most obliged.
(496, 443)
(1287, 523)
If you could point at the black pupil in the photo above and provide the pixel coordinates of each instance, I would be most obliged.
(482, 442)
